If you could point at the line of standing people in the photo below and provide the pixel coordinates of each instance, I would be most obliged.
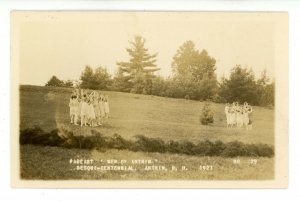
(89, 109)
(238, 115)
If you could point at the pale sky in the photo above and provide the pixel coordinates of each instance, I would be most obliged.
(62, 43)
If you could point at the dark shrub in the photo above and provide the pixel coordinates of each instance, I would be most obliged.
(146, 144)
(251, 150)
(187, 147)
(54, 139)
(205, 148)
(117, 142)
(173, 147)
(99, 140)
(65, 138)
(84, 142)
(71, 143)
(234, 149)
(187, 97)
(217, 148)
(265, 150)
(200, 149)
(30, 135)
(207, 114)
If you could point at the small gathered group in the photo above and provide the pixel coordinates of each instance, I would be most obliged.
(238, 115)
(90, 109)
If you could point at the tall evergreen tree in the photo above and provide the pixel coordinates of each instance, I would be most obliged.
(241, 86)
(140, 68)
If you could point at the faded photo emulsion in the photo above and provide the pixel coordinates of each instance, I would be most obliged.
(149, 99)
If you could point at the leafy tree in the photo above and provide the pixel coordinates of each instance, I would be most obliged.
(175, 89)
(159, 86)
(194, 73)
(100, 79)
(76, 83)
(269, 95)
(207, 86)
(138, 71)
(68, 83)
(184, 60)
(55, 82)
(265, 90)
(264, 79)
(188, 60)
(120, 82)
(87, 78)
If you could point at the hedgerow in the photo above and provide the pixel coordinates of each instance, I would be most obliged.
(65, 138)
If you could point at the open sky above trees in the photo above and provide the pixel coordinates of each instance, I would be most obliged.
(62, 44)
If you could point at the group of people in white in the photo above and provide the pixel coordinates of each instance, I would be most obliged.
(90, 109)
(238, 115)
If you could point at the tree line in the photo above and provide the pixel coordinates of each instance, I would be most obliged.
(193, 77)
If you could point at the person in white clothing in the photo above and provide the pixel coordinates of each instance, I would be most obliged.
(106, 106)
(247, 120)
(227, 114)
(73, 104)
(232, 116)
(234, 113)
(84, 111)
(101, 106)
(97, 109)
(239, 116)
(79, 99)
(76, 108)
(91, 113)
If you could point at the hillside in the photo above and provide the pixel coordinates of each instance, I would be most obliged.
(134, 114)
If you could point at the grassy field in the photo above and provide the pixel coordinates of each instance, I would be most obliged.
(52, 163)
(132, 114)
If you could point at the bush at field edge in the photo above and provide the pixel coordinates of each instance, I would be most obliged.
(66, 138)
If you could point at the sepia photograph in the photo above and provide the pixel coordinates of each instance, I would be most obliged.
(149, 99)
